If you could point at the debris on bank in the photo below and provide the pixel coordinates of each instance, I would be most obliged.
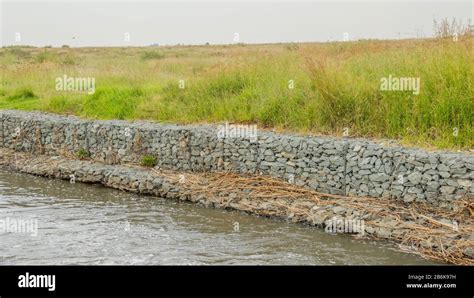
(433, 233)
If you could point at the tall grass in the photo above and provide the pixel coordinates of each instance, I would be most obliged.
(349, 94)
(112, 103)
(147, 55)
(336, 86)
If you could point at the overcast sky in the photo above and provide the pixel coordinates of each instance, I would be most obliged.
(122, 23)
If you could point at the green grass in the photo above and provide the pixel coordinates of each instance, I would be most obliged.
(24, 99)
(336, 86)
(148, 161)
(21, 94)
(83, 154)
(112, 103)
(152, 55)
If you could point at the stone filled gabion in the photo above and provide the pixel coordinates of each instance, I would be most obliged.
(353, 167)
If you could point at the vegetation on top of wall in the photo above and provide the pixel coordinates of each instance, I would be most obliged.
(148, 161)
(326, 88)
(83, 154)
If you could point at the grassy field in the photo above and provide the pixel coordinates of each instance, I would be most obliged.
(336, 86)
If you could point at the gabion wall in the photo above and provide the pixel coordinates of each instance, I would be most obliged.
(337, 166)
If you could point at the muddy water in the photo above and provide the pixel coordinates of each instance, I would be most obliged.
(88, 224)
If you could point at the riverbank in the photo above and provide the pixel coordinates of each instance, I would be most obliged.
(434, 233)
(89, 224)
(339, 166)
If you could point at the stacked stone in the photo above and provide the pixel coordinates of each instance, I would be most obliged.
(42, 133)
(315, 162)
(369, 169)
(353, 167)
(408, 174)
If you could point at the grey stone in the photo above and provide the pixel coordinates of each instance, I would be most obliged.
(339, 210)
(415, 177)
(384, 232)
(379, 177)
(447, 189)
(443, 168)
(465, 183)
(432, 186)
(469, 252)
(408, 198)
(444, 174)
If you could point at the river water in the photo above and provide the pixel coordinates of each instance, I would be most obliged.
(91, 224)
